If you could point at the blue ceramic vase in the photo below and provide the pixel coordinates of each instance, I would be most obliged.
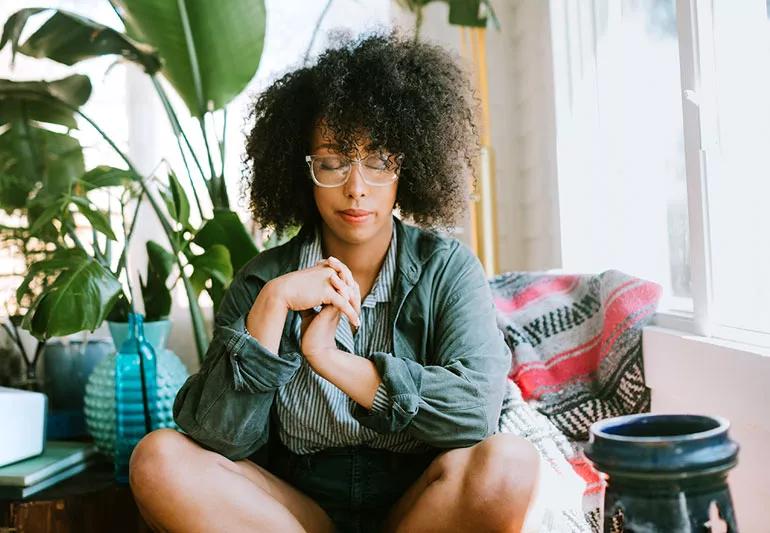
(100, 405)
(665, 473)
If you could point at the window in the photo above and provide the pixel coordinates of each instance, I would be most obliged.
(663, 126)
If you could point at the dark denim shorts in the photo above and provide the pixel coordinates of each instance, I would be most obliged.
(356, 485)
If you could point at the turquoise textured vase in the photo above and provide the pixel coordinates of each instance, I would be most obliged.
(100, 406)
(136, 384)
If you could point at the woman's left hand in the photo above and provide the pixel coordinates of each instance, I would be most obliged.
(317, 332)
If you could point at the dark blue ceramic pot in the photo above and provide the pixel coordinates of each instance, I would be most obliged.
(665, 473)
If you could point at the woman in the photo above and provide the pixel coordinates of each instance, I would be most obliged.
(363, 355)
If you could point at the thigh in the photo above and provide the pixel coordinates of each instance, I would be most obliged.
(444, 463)
(302, 506)
(182, 486)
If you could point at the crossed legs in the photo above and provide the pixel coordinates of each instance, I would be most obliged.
(179, 486)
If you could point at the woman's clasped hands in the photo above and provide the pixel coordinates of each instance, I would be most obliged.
(328, 284)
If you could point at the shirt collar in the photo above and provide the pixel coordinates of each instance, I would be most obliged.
(311, 252)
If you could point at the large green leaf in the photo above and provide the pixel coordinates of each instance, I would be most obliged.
(42, 220)
(472, 13)
(176, 202)
(13, 192)
(156, 296)
(79, 298)
(36, 207)
(38, 155)
(210, 50)
(212, 264)
(68, 38)
(105, 176)
(99, 221)
(227, 229)
(35, 100)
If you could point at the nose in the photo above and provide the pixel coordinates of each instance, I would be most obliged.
(355, 187)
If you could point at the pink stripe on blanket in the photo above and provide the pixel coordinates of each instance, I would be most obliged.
(616, 312)
(622, 308)
(536, 291)
(536, 378)
(591, 476)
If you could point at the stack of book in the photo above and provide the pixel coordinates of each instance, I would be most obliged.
(59, 461)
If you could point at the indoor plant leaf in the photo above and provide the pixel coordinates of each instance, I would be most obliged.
(105, 176)
(212, 264)
(79, 298)
(227, 229)
(99, 221)
(36, 100)
(42, 156)
(51, 212)
(68, 38)
(155, 293)
(176, 202)
(210, 50)
(14, 192)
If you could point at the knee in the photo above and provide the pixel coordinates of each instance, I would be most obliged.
(499, 480)
(154, 458)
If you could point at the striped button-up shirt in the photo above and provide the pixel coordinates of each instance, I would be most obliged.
(314, 414)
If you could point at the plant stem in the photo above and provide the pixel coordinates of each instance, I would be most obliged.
(73, 235)
(222, 140)
(178, 131)
(192, 55)
(122, 260)
(221, 195)
(108, 242)
(199, 327)
(315, 30)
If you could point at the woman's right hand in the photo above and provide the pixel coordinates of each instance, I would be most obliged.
(327, 283)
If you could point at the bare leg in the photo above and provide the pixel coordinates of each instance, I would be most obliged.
(487, 487)
(179, 486)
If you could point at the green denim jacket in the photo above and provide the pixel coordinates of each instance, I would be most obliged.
(445, 378)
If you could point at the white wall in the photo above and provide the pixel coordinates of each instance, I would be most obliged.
(689, 374)
(522, 126)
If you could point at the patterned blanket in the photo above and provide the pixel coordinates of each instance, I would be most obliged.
(576, 344)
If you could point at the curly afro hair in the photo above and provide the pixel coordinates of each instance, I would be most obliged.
(393, 93)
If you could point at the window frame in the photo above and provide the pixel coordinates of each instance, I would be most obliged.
(697, 76)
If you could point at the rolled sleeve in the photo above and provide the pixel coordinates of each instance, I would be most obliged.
(255, 368)
(225, 406)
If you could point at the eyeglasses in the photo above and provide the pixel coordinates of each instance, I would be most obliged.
(333, 170)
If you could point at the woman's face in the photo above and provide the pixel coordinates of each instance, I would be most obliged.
(355, 211)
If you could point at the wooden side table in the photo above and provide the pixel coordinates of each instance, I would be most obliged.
(89, 502)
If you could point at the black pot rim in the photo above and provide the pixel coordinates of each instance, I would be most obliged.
(598, 430)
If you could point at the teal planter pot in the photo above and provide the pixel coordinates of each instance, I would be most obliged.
(100, 405)
(67, 368)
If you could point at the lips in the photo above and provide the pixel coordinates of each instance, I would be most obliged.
(355, 216)
(355, 212)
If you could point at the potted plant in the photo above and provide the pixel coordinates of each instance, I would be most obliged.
(207, 54)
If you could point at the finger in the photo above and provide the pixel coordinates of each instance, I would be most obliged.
(343, 305)
(330, 312)
(347, 291)
(357, 291)
(344, 272)
(347, 276)
(342, 268)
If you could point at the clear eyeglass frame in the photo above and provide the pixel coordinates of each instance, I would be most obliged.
(309, 159)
